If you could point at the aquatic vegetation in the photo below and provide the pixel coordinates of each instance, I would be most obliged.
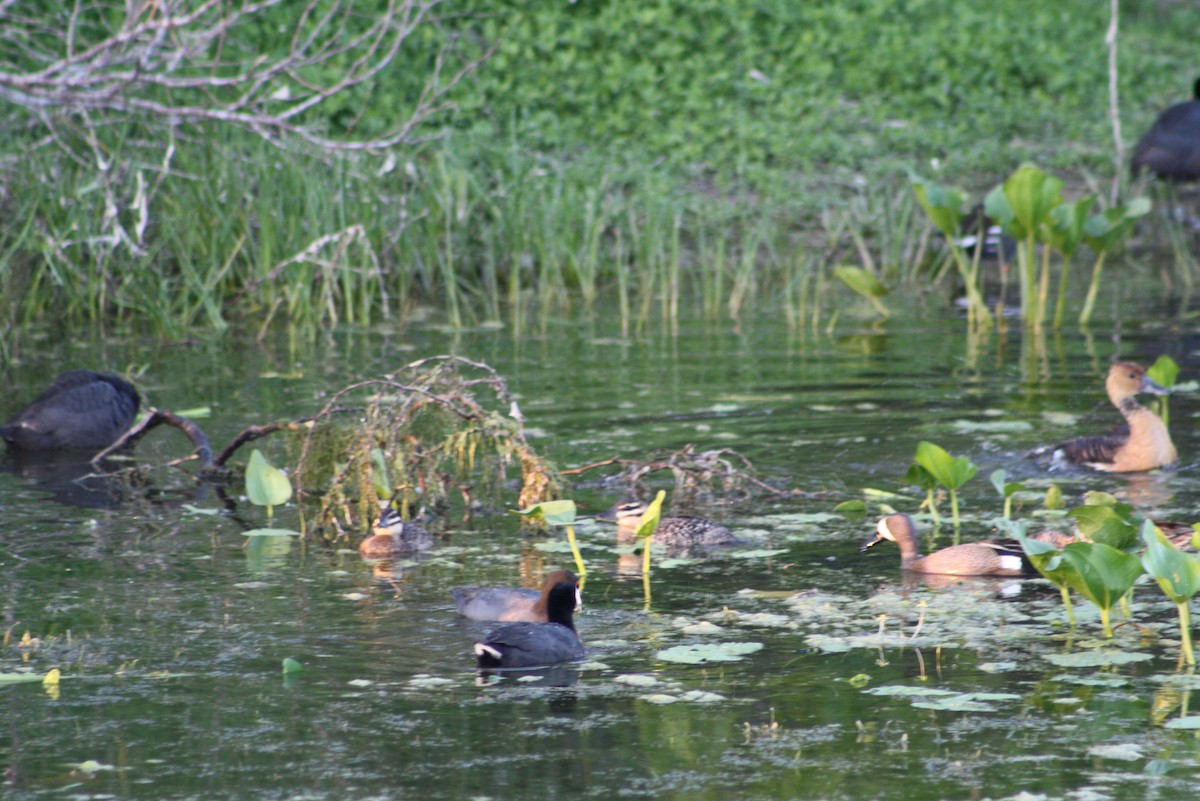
(943, 205)
(1007, 489)
(865, 284)
(1165, 373)
(266, 485)
(1103, 232)
(948, 471)
(560, 513)
(1178, 575)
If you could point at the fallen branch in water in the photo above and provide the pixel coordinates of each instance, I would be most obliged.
(156, 418)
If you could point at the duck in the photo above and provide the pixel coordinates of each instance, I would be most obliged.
(1141, 443)
(81, 410)
(393, 535)
(984, 558)
(1171, 148)
(508, 604)
(677, 531)
(526, 644)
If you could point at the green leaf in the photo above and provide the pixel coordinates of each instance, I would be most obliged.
(1177, 573)
(553, 513)
(1164, 371)
(379, 474)
(1032, 195)
(1105, 574)
(921, 477)
(1105, 230)
(860, 281)
(651, 516)
(266, 485)
(271, 532)
(709, 652)
(1054, 498)
(942, 204)
(1064, 230)
(949, 471)
(292, 666)
(1111, 525)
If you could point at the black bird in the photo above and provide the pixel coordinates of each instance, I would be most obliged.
(1171, 148)
(524, 645)
(81, 410)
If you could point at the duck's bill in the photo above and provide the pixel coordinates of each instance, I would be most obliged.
(1153, 387)
(869, 543)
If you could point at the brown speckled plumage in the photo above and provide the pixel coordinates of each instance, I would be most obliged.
(677, 531)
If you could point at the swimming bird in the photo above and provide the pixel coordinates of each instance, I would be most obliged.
(677, 531)
(510, 604)
(522, 645)
(81, 410)
(1171, 148)
(1142, 442)
(392, 536)
(985, 558)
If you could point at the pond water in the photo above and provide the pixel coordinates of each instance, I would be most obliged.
(170, 629)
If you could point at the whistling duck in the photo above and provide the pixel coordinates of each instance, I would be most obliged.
(986, 558)
(520, 645)
(392, 536)
(507, 604)
(1142, 442)
(677, 531)
(1171, 148)
(80, 410)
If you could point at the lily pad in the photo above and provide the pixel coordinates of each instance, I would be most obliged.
(992, 426)
(906, 691)
(16, 678)
(758, 553)
(1129, 752)
(271, 532)
(636, 679)
(708, 652)
(1097, 658)
(1189, 722)
(659, 698)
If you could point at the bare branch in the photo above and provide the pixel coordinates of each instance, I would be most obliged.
(182, 62)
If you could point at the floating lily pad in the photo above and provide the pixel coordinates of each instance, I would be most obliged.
(702, 697)
(659, 698)
(703, 627)
(360, 682)
(965, 702)
(1097, 658)
(636, 679)
(271, 532)
(758, 553)
(997, 667)
(992, 426)
(708, 652)
(907, 691)
(1189, 722)
(1129, 752)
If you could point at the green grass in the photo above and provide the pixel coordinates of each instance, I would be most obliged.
(679, 157)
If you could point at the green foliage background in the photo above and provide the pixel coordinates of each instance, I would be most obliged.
(660, 150)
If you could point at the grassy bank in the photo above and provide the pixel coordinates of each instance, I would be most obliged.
(682, 157)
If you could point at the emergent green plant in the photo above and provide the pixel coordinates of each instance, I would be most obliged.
(1022, 206)
(1103, 232)
(560, 513)
(1178, 575)
(266, 485)
(943, 205)
(949, 471)
(1164, 372)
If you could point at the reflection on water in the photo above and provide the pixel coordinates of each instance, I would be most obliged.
(170, 626)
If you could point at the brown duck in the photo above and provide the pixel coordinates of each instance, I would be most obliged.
(1142, 442)
(985, 558)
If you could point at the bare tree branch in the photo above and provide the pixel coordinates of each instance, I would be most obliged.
(176, 61)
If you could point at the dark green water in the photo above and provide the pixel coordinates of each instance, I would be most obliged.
(170, 631)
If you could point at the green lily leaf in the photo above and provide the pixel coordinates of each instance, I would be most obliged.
(942, 204)
(1105, 230)
(1177, 573)
(1064, 230)
(379, 474)
(1105, 574)
(651, 516)
(1031, 196)
(1164, 371)
(1111, 525)
(1005, 488)
(860, 281)
(949, 471)
(920, 477)
(553, 513)
(266, 485)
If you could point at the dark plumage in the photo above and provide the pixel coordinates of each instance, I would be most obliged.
(677, 531)
(81, 410)
(524, 645)
(1142, 442)
(1171, 148)
(985, 558)
(393, 536)
(509, 604)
